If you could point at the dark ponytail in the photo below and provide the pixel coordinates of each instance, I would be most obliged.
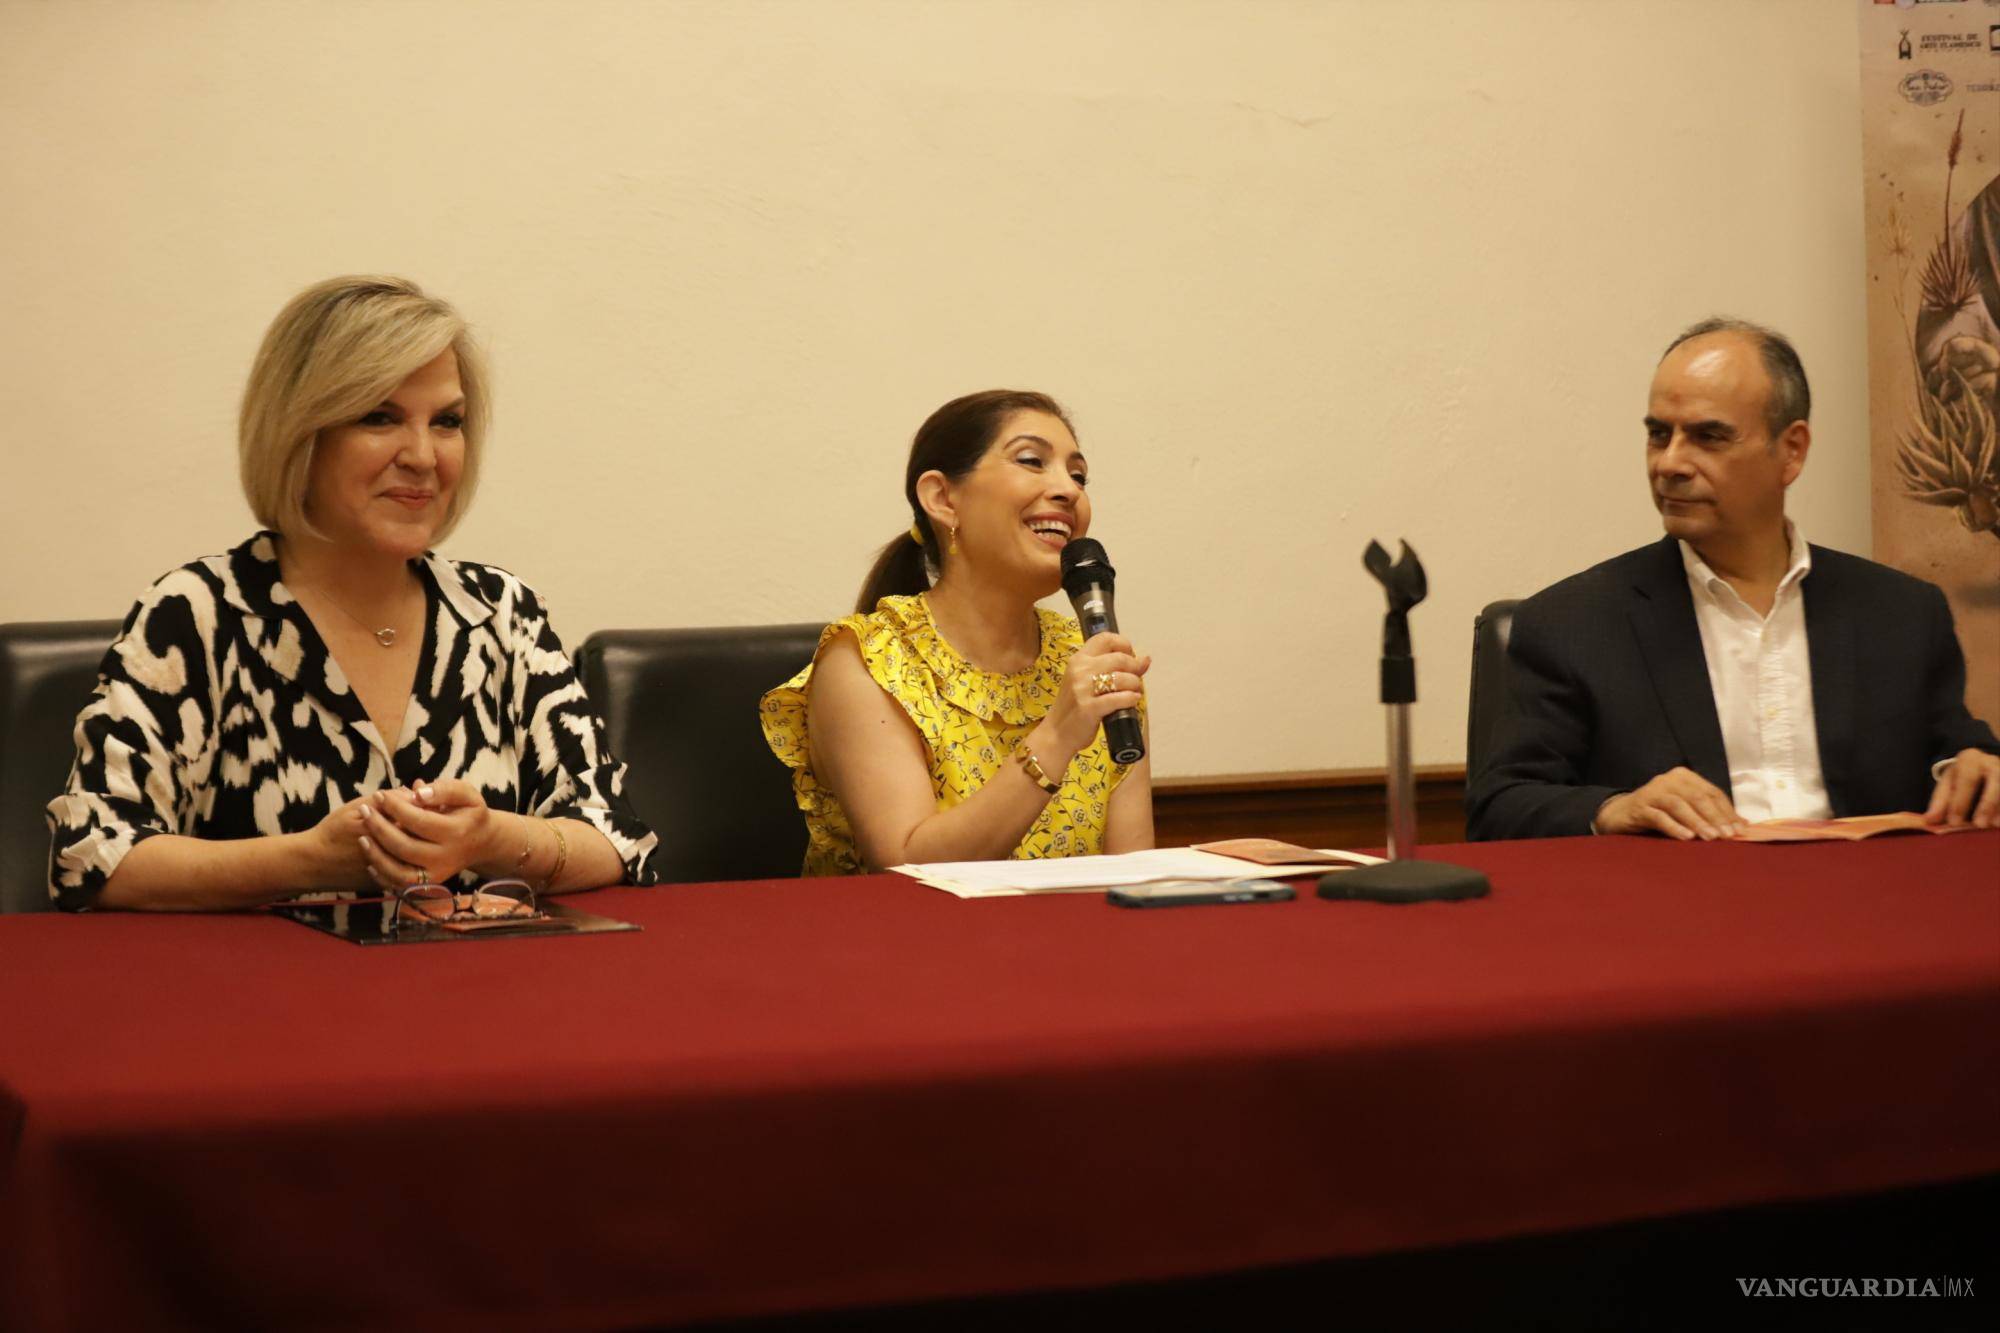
(897, 571)
(951, 441)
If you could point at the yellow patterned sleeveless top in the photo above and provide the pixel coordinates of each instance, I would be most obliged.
(969, 719)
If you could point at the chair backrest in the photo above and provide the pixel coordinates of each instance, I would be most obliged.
(680, 708)
(1490, 629)
(47, 672)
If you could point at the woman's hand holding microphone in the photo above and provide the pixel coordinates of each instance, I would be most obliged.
(1104, 675)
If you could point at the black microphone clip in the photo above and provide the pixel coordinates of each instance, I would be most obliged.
(1405, 584)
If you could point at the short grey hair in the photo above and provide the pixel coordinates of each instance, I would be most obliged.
(1791, 396)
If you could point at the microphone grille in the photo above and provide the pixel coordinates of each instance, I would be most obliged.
(1084, 562)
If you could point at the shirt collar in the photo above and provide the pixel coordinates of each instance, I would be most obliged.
(254, 588)
(460, 593)
(1704, 579)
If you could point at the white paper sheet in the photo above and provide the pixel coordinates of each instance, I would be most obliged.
(1084, 874)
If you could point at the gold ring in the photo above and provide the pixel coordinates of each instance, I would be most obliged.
(1102, 683)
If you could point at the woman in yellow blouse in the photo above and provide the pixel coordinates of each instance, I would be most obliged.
(956, 720)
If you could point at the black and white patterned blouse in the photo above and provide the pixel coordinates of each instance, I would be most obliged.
(220, 714)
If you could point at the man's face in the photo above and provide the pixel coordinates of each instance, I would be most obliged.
(1716, 473)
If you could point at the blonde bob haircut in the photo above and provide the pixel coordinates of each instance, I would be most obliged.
(334, 353)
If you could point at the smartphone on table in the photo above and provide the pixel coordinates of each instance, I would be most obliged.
(1193, 892)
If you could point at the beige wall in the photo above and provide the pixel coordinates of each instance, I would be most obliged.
(1307, 273)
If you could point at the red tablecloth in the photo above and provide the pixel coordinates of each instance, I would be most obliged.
(785, 1095)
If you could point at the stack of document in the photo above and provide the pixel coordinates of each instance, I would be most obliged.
(1848, 828)
(1094, 874)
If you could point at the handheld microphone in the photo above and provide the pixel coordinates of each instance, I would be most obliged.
(1087, 577)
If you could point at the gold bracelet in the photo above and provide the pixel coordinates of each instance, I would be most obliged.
(562, 854)
(1033, 768)
(527, 850)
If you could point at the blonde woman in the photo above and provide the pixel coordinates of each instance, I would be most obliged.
(956, 720)
(330, 706)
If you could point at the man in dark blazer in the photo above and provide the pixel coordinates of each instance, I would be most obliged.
(1731, 672)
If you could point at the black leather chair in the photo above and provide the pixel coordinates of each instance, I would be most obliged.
(47, 671)
(680, 708)
(1490, 629)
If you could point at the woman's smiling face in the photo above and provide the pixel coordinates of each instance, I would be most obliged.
(386, 481)
(1023, 502)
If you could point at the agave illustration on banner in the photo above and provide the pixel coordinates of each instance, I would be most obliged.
(1950, 451)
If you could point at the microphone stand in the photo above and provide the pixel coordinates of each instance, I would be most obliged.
(1403, 878)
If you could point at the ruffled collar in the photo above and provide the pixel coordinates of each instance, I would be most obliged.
(1014, 699)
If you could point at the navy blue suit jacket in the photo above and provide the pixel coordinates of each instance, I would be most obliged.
(1607, 688)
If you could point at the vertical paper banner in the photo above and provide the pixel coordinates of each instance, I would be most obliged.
(1930, 153)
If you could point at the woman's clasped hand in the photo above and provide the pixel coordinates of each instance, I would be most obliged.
(431, 833)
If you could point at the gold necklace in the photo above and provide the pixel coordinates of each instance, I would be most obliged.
(386, 635)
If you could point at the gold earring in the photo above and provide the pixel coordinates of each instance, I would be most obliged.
(954, 539)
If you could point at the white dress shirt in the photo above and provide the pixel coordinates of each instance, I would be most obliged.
(1761, 674)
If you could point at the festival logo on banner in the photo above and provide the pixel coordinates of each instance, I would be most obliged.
(1930, 98)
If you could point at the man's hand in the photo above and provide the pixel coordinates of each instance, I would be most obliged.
(1974, 776)
(1680, 803)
